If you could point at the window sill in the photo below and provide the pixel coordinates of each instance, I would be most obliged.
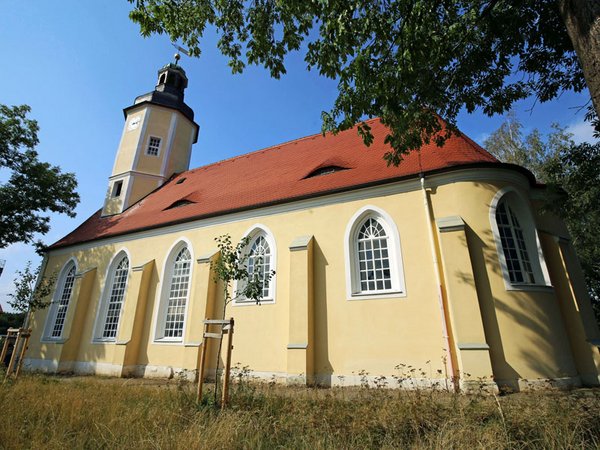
(103, 341)
(529, 287)
(169, 341)
(266, 301)
(377, 296)
(48, 340)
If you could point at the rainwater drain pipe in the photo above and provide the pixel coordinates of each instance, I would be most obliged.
(436, 267)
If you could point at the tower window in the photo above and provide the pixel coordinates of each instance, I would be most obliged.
(153, 146)
(117, 188)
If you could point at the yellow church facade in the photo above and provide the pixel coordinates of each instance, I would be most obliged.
(443, 272)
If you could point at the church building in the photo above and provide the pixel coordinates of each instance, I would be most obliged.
(442, 272)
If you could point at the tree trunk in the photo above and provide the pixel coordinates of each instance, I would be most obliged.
(582, 19)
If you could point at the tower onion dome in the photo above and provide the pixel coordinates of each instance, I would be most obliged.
(169, 91)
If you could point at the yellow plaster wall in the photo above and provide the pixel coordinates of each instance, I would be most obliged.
(524, 329)
(141, 187)
(158, 126)
(182, 146)
(129, 142)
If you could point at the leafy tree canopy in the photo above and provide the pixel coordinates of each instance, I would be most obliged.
(406, 61)
(34, 187)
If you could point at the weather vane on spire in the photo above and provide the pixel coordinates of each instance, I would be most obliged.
(177, 56)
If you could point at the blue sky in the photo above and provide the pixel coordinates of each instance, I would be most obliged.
(79, 63)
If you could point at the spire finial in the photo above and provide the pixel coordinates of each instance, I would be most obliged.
(179, 49)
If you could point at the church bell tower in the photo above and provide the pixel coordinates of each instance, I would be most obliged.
(156, 143)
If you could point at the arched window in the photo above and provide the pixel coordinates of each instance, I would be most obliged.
(261, 261)
(513, 245)
(175, 294)
(112, 301)
(373, 259)
(60, 304)
(520, 254)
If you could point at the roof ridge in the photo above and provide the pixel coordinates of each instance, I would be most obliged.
(271, 147)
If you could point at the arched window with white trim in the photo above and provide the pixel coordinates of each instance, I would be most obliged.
(519, 251)
(175, 294)
(374, 270)
(57, 315)
(374, 263)
(513, 245)
(109, 313)
(261, 261)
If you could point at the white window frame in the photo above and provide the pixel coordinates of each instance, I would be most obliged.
(102, 312)
(353, 289)
(160, 142)
(254, 232)
(522, 210)
(54, 304)
(164, 289)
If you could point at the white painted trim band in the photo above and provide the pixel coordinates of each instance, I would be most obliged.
(303, 346)
(300, 243)
(450, 223)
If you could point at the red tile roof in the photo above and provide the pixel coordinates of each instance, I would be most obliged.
(274, 175)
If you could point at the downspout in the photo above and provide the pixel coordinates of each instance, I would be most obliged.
(436, 268)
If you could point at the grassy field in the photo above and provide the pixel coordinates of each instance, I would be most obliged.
(86, 412)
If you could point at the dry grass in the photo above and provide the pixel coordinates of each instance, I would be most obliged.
(51, 412)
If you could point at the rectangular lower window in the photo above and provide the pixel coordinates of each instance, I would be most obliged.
(117, 188)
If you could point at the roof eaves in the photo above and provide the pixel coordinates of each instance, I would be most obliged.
(483, 164)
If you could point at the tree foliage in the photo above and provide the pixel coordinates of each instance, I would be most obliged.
(10, 320)
(29, 295)
(34, 188)
(406, 61)
(574, 178)
(533, 151)
(231, 266)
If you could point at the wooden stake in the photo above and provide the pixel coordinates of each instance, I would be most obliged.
(5, 347)
(25, 338)
(12, 358)
(227, 365)
(202, 362)
(205, 336)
